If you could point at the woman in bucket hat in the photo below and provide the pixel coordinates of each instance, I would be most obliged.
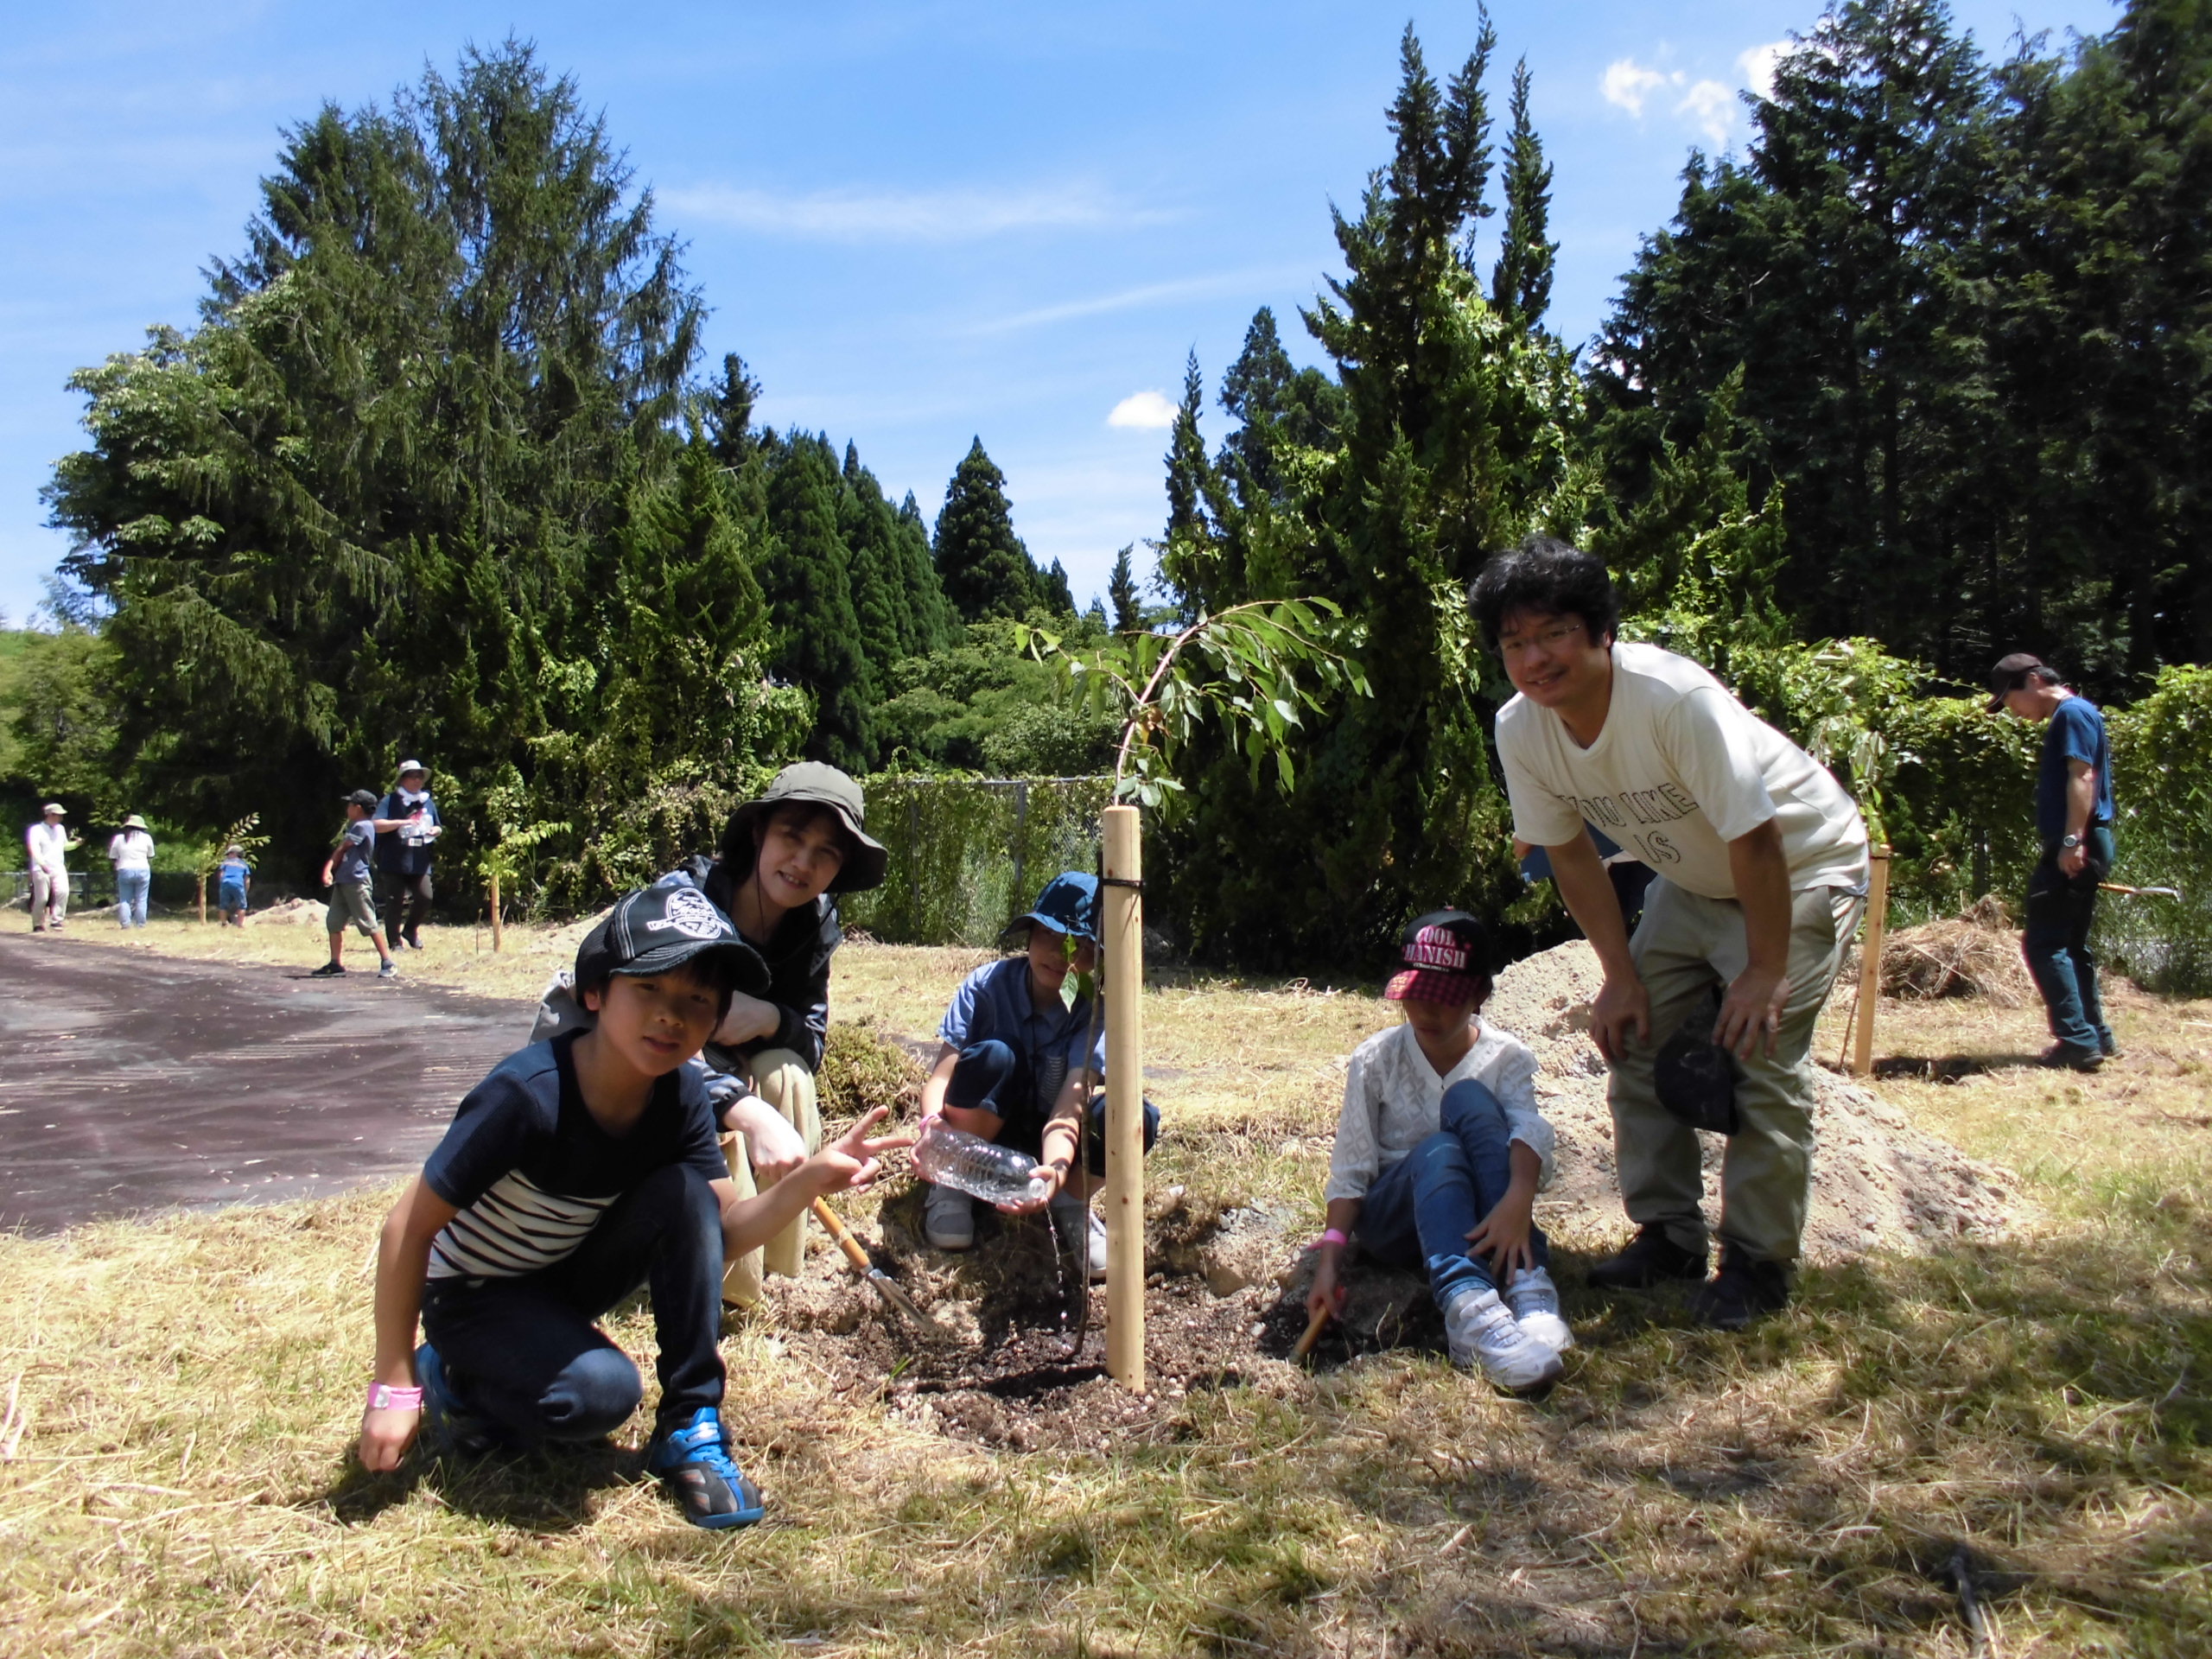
(782, 860)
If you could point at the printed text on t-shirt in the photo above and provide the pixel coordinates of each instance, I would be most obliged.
(1630, 816)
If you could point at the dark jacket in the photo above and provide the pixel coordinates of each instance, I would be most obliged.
(396, 856)
(799, 967)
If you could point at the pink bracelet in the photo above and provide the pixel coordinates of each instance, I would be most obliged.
(1334, 1236)
(383, 1397)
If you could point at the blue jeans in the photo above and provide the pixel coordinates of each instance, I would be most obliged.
(130, 896)
(2055, 942)
(990, 1076)
(1421, 1210)
(527, 1355)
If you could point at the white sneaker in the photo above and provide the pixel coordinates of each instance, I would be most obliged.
(1070, 1213)
(1534, 1302)
(1483, 1334)
(948, 1218)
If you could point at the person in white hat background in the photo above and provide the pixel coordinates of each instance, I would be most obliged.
(49, 845)
(408, 827)
(132, 852)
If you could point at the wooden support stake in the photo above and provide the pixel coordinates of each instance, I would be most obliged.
(203, 897)
(495, 910)
(1121, 840)
(1870, 963)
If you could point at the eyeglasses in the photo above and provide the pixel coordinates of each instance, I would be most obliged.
(1550, 640)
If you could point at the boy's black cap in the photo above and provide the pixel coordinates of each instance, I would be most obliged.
(656, 928)
(2008, 677)
(811, 782)
(362, 797)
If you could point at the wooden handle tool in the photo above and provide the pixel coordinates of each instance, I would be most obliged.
(1313, 1334)
(881, 1282)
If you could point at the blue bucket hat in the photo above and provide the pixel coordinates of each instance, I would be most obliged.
(1068, 905)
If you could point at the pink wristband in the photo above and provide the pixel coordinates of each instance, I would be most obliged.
(1334, 1236)
(383, 1397)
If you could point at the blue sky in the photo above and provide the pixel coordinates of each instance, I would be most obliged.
(918, 222)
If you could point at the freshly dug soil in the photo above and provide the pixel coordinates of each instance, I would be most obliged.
(1016, 1361)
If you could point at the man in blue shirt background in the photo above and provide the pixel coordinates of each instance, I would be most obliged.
(2074, 818)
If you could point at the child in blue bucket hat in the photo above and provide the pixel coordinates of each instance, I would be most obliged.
(1010, 1066)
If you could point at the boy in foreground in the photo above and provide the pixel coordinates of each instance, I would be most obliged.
(1439, 1152)
(580, 1169)
(1761, 861)
(346, 873)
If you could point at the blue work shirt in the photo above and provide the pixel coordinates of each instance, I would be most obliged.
(2076, 732)
(994, 1002)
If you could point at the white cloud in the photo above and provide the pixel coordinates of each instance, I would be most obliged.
(917, 216)
(1758, 65)
(1143, 409)
(1627, 83)
(1712, 107)
(1130, 299)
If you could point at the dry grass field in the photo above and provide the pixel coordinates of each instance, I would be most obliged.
(2026, 1421)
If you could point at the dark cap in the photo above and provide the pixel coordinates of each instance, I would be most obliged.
(656, 928)
(1069, 905)
(2010, 675)
(810, 783)
(1694, 1077)
(1446, 956)
(362, 797)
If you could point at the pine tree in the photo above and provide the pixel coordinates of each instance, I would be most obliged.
(1121, 589)
(985, 569)
(807, 579)
(1521, 283)
(1053, 591)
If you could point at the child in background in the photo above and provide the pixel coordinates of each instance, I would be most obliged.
(1439, 1152)
(346, 873)
(579, 1169)
(1010, 1068)
(233, 877)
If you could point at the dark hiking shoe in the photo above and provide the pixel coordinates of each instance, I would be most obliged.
(1743, 1290)
(694, 1462)
(1648, 1259)
(328, 970)
(2108, 1047)
(2065, 1056)
(449, 1429)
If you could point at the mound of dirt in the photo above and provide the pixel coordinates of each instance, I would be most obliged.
(1879, 1183)
(1017, 1358)
(1975, 954)
(293, 913)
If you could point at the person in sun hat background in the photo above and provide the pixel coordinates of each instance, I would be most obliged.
(408, 825)
(48, 846)
(1010, 1067)
(132, 852)
(1440, 1150)
(782, 860)
(2074, 818)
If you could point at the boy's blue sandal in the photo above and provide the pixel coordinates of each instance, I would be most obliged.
(448, 1429)
(694, 1462)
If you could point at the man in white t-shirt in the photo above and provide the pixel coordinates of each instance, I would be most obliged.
(1760, 862)
(46, 844)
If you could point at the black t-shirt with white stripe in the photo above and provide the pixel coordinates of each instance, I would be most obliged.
(532, 1172)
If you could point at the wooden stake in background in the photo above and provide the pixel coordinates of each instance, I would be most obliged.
(1122, 841)
(1870, 963)
(495, 910)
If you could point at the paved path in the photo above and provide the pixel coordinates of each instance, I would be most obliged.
(133, 1082)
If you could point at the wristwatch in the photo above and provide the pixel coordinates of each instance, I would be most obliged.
(2069, 842)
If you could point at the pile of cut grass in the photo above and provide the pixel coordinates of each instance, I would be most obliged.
(180, 1393)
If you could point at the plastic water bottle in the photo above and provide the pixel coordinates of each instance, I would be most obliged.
(980, 1168)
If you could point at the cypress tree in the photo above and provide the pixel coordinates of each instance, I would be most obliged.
(1121, 588)
(808, 583)
(1053, 590)
(985, 569)
(1521, 283)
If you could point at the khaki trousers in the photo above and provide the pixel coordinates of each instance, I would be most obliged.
(781, 1080)
(49, 898)
(1684, 948)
